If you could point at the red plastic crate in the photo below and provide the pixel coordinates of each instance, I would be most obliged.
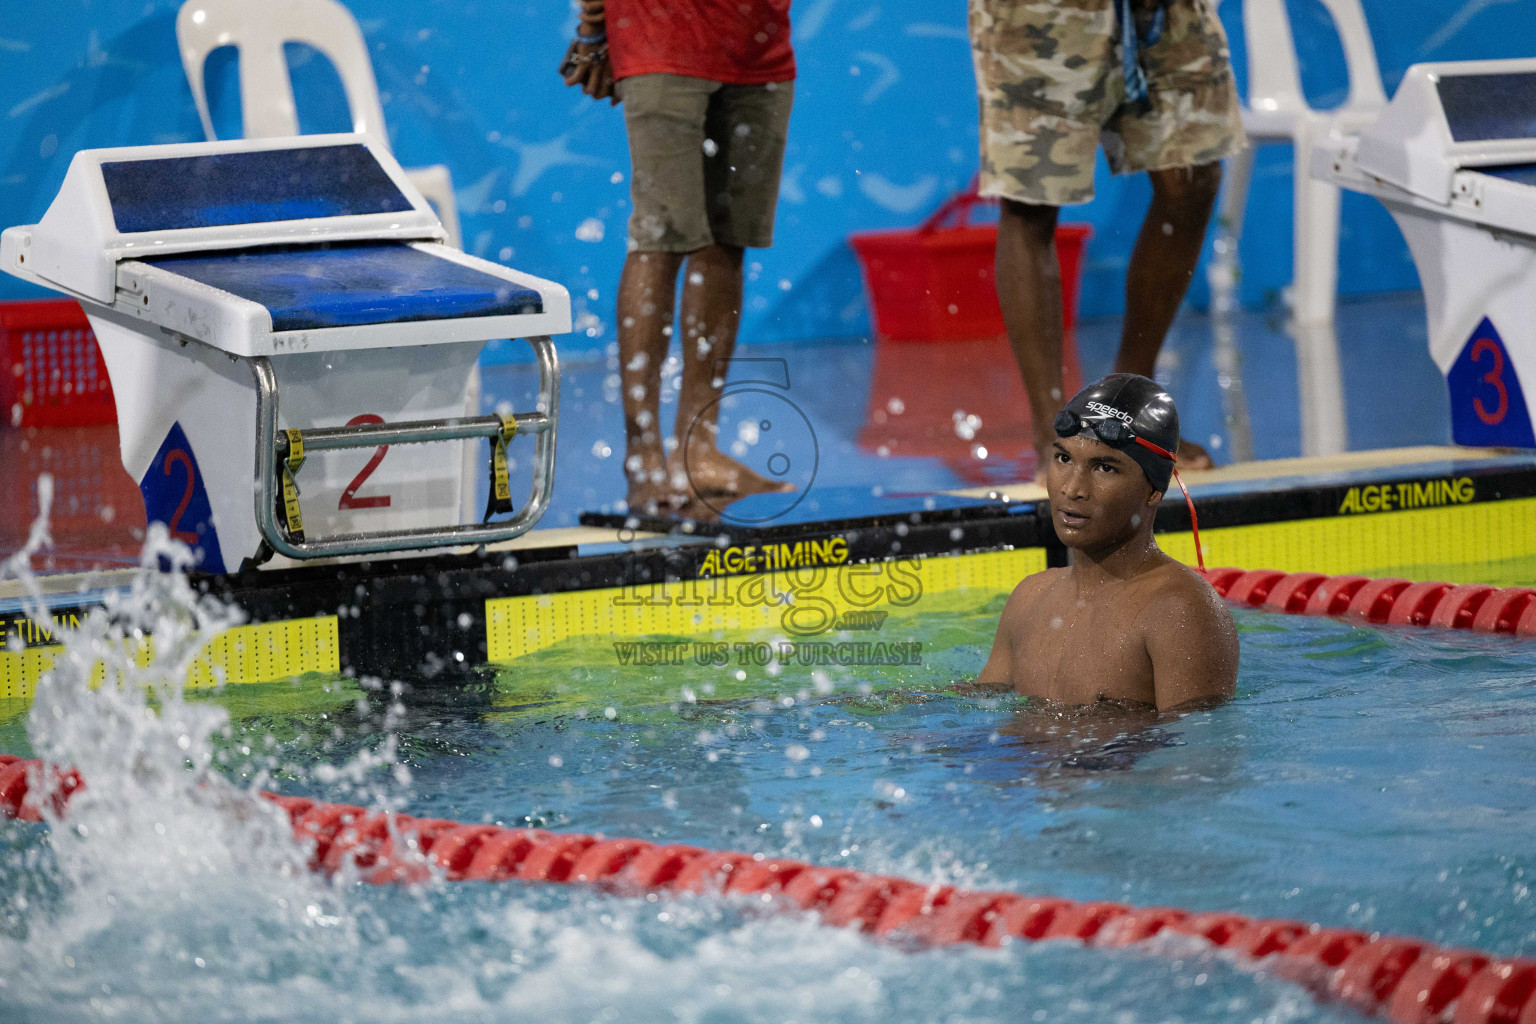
(51, 373)
(916, 389)
(97, 506)
(935, 283)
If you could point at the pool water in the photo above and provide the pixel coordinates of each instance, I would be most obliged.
(1376, 779)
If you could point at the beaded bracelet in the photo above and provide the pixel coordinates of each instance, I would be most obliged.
(581, 40)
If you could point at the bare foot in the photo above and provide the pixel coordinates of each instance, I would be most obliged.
(657, 492)
(652, 501)
(709, 474)
(1193, 457)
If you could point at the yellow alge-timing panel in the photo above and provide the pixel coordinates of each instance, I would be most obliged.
(263, 652)
(1414, 542)
(799, 603)
(1398, 542)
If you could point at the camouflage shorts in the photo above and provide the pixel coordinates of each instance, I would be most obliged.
(1051, 89)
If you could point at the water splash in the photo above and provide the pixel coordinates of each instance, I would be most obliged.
(113, 704)
(163, 866)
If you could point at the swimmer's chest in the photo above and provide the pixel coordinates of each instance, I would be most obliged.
(1078, 652)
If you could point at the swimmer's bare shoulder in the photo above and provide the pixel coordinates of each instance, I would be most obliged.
(1191, 639)
(1012, 624)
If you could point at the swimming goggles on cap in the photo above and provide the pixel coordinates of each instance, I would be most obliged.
(1117, 433)
(1108, 429)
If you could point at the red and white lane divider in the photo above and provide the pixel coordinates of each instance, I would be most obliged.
(1403, 980)
(1390, 601)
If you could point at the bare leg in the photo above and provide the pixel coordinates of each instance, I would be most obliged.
(646, 289)
(711, 312)
(1029, 291)
(1162, 265)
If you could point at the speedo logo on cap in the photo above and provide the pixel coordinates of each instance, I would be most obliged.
(1109, 410)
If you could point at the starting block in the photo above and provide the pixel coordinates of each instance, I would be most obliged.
(1453, 157)
(285, 334)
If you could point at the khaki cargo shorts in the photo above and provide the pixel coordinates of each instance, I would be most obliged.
(705, 160)
(1051, 88)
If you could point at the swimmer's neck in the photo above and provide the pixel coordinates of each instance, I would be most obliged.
(1093, 568)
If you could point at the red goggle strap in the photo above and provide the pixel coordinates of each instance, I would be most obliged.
(1194, 520)
(1154, 449)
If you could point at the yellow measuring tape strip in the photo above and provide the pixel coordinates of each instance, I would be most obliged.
(501, 488)
(293, 518)
(261, 652)
(715, 607)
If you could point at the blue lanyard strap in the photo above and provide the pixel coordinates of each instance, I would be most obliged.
(1131, 43)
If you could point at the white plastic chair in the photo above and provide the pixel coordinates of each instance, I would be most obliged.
(259, 30)
(1277, 111)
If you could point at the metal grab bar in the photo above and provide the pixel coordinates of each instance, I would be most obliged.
(272, 445)
(367, 435)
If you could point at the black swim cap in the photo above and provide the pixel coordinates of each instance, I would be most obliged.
(1137, 408)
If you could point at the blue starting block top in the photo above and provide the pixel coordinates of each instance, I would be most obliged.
(1520, 174)
(311, 288)
(1481, 108)
(222, 189)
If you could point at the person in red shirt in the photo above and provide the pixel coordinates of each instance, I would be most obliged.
(707, 87)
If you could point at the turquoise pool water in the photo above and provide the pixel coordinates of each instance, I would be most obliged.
(1367, 778)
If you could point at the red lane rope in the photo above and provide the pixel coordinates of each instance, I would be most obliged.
(1404, 980)
(1388, 601)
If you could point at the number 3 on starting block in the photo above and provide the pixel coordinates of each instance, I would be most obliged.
(1487, 402)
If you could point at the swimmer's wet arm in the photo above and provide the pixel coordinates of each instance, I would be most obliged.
(998, 670)
(1192, 642)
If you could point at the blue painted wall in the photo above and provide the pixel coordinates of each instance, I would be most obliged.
(884, 129)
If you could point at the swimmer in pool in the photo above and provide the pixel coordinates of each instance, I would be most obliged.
(1124, 622)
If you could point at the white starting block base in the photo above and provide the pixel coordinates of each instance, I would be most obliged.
(193, 457)
(1453, 158)
(1480, 298)
(242, 291)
